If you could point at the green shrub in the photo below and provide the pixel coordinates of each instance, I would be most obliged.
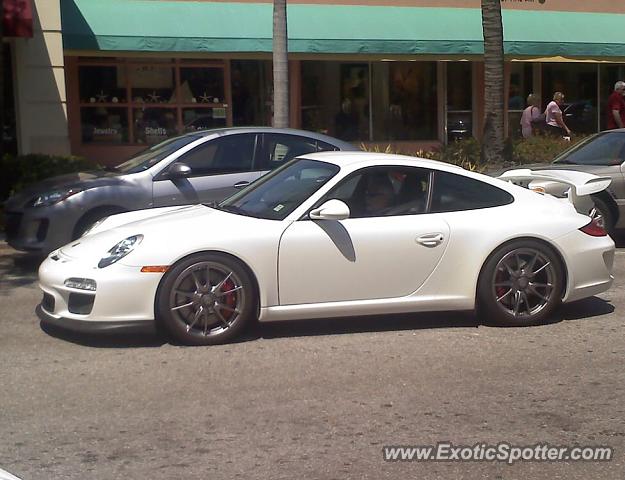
(467, 153)
(464, 153)
(540, 149)
(22, 170)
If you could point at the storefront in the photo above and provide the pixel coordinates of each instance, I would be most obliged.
(140, 71)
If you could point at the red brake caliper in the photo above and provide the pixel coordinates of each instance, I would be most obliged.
(229, 299)
(498, 279)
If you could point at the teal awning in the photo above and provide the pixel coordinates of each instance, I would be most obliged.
(193, 26)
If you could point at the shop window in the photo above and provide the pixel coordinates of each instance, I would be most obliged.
(153, 125)
(202, 85)
(251, 82)
(459, 101)
(335, 99)
(151, 84)
(404, 101)
(194, 119)
(102, 84)
(123, 101)
(578, 83)
(104, 125)
(519, 89)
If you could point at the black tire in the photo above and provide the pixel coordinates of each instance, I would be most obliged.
(603, 210)
(521, 284)
(192, 306)
(90, 218)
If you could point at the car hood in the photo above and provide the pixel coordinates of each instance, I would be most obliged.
(167, 232)
(78, 180)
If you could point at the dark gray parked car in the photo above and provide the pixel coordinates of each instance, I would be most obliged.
(601, 154)
(199, 167)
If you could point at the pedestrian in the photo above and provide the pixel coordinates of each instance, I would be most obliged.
(554, 118)
(616, 107)
(530, 114)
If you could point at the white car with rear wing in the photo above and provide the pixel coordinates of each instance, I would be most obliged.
(337, 234)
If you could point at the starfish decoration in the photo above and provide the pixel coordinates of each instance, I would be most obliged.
(101, 97)
(154, 98)
(205, 98)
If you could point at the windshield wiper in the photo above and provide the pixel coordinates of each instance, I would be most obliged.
(111, 169)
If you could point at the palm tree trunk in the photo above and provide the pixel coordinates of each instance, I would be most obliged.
(493, 135)
(280, 66)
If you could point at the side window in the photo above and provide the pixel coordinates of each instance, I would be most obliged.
(605, 149)
(457, 192)
(326, 147)
(280, 148)
(227, 154)
(384, 192)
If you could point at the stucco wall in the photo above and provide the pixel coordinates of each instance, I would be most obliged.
(41, 104)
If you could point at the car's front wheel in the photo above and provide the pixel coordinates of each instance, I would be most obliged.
(206, 299)
(520, 284)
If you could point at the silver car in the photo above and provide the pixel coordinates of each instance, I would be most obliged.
(199, 167)
(601, 154)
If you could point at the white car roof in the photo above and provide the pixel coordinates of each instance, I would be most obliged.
(363, 159)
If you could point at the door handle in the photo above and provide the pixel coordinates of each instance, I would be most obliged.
(430, 239)
(241, 184)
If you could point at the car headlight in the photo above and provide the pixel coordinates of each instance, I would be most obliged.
(120, 250)
(50, 198)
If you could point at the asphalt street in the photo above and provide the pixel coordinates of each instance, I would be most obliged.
(310, 400)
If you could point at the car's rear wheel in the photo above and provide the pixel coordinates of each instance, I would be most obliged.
(206, 299)
(520, 284)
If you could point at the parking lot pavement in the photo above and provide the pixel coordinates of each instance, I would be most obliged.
(313, 399)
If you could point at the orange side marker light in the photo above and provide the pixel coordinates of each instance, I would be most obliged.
(155, 268)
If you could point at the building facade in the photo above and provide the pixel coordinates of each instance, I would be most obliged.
(106, 79)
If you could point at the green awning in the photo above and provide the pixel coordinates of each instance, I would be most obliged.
(192, 26)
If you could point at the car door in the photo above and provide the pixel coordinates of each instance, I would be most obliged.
(218, 167)
(374, 254)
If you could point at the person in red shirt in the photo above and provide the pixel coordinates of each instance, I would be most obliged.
(616, 107)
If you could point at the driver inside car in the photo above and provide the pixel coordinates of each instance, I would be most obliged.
(379, 195)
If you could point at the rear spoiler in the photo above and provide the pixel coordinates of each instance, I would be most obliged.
(578, 186)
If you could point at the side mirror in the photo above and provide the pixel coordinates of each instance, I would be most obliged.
(330, 210)
(179, 170)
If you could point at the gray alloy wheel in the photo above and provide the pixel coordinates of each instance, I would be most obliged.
(521, 284)
(206, 299)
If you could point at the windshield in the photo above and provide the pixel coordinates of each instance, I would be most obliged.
(277, 194)
(606, 148)
(151, 156)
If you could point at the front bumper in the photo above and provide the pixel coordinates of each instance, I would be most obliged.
(86, 326)
(40, 229)
(123, 297)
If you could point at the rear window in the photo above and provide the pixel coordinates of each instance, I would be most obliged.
(456, 193)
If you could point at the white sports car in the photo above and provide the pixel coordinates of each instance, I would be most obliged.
(337, 234)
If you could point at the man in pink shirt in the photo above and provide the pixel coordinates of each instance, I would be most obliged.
(616, 107)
